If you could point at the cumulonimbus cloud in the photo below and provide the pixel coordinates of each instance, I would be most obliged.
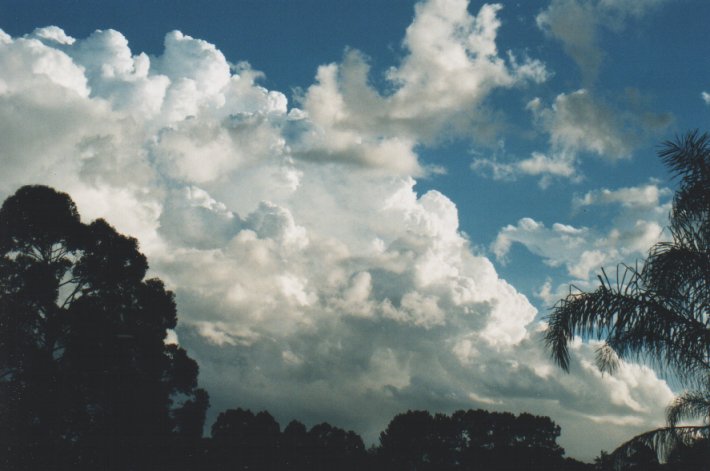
(311, 278)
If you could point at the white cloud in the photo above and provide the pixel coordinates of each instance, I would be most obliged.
(452, 65)
(637, 222)
(561, 165)
(539, 164)
(581, 122)
(53, 33)
(706, 97)
(641, 197)
(578, 124)
(311, 278)
(582, 251)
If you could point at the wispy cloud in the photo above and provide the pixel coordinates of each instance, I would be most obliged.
(578, 124)
(578, 24)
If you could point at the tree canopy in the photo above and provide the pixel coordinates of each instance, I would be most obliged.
(86, 377)
(243, 440)
(472, 439)
(659, 312)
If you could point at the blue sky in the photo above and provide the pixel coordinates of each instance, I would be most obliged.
(365, 206)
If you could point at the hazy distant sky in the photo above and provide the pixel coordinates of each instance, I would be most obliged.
(368, 206)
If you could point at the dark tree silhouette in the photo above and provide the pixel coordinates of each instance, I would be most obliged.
(689, 457)
(415, 440)
(419, 440)
(242, 440)
(660, 312)
(294, 447)
(408, 441)
(473, 439)
(86, 379)
(604, 462)
(331, 447)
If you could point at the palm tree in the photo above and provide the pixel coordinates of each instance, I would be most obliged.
(660, 312)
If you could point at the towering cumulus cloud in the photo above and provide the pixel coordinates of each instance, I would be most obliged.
(312, 279)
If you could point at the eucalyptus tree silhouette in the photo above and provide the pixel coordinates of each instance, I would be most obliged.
(86, 378)
(660, 312)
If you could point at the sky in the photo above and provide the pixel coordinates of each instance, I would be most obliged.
(366, 207)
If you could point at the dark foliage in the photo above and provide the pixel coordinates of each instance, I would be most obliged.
(242, 440)
(416, 440)
(694, 456)
(473, 439)
(86, 379)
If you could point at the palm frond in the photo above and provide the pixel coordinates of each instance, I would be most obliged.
(607, 359)
(659, 313)
(688, 156)
(633, 325)
(662, 441)
(689, 405)
(577, 314)
(676, 270)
